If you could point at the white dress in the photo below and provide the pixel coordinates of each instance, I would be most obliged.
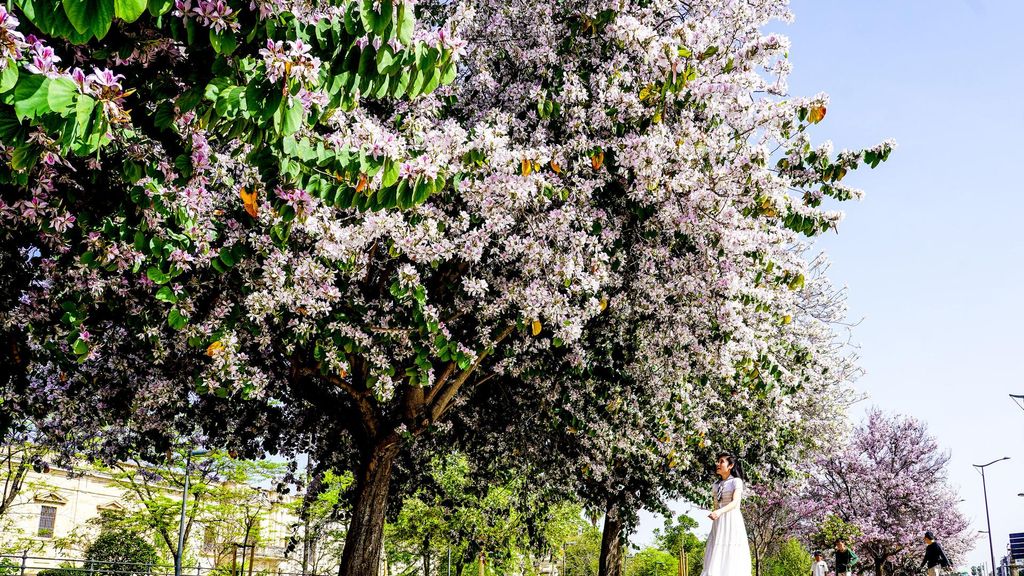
(727, 552)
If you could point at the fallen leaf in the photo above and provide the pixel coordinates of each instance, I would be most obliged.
(556, 167)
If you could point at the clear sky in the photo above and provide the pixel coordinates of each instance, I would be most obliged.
(933, 254)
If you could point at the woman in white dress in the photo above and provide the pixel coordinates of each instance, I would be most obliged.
(727, 552)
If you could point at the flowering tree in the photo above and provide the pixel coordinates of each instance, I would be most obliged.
(890, 481)
(296, 227)
(775, 514)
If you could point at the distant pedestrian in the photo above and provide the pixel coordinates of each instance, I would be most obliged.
(819, 568)
(934, 558)
(846, 559)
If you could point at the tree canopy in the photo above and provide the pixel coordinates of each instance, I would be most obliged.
(335, 229)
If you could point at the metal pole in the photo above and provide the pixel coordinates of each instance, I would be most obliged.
(988, 522)
(24, 558)
(181, 522)
(449, 560)
(984, 488)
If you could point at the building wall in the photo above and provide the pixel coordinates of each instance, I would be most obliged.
(83, 495)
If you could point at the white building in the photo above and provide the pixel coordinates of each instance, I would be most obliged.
(50, 519)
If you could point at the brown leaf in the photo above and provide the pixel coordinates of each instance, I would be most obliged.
(249, 201)
(816, 114)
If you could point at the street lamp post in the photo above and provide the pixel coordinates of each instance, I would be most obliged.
(181, 522)
(988, 521)
(1018, 399)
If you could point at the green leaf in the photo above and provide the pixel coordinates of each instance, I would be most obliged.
(9, 77)
(60, 95)
(160, 7)
(77, 12)
(406, 23)
(449, 76)
(367, 63)
(176, 319)
(385, 59)
(166, 294)
(84, 106)
(433, 82)
(157, 275)
(390, 173)
(227, 258)
(292, 118)
(374, 20)
(223, 42)
(31, 97)
(80, 347)
(129, 10)
(90, 16)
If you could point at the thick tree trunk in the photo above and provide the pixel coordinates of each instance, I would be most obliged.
(611, 544)
(365, 537)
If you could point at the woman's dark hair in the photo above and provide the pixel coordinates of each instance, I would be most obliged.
(737, 470)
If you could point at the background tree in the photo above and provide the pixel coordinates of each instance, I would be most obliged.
(678, 536)
(583, 553)
(20, 452)
(319, 536)
(217, 483)
(890, 481)
(789, 559)
(652, 562)
(775, 514)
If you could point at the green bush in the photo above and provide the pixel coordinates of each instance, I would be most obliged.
(64, 569)
(120, 551)
(792, 559)
(652, 562)
(9, 567)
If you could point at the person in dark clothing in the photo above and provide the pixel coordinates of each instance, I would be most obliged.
(846, 559)
(934, 558)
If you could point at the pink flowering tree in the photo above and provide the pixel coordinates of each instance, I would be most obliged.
(890, 481)
(291, 227)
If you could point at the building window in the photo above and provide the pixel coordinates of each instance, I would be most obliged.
(47, 516)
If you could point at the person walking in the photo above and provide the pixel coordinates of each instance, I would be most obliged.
(727, 552)
(819, 568)
(846, 558)
(934, 558)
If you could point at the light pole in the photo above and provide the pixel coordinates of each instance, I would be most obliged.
(988, 521)
(181, 521)
(1018, 399)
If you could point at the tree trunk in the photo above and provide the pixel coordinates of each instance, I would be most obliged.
(611, 544)
(365, 537)
(757, 563)
(482, 571)
(426, 558)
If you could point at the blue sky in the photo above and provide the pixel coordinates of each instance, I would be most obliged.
(932, 255)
